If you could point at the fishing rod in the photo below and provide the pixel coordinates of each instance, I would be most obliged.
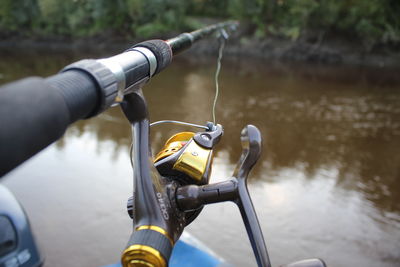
(185, 40)
(37, 111)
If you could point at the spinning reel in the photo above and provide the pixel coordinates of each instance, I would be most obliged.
(171, 189)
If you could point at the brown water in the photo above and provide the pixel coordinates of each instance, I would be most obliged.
(327, 184)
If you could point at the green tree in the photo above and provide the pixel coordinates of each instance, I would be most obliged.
(371, 21)
(18, 15)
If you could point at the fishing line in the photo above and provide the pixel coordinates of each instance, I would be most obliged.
(223, 38)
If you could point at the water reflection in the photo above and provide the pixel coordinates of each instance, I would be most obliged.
(110, 129)
(331, 142)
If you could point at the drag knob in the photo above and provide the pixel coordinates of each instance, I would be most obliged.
(129, 207)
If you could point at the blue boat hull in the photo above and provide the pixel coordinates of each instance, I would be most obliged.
(17, 244)
(190, 252)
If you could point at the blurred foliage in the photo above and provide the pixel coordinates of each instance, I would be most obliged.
(18, 14)
(371, 21)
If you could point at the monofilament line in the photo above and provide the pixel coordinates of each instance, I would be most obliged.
(221, 48)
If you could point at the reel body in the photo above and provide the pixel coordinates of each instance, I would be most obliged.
(186, 159)
(187, 162)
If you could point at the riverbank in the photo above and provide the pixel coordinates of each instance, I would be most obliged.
(333, 51)
(330, 52)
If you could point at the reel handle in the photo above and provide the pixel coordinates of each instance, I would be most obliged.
(192, 197)
(251, 151)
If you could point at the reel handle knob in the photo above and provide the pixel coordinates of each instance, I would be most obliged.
(251, 150)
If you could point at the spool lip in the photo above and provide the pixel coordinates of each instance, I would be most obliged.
(182, 136)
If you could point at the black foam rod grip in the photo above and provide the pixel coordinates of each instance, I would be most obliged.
(35, 112)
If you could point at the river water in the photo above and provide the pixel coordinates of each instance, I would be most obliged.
(327, 184)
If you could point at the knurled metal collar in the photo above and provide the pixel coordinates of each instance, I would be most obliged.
(105, 79)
